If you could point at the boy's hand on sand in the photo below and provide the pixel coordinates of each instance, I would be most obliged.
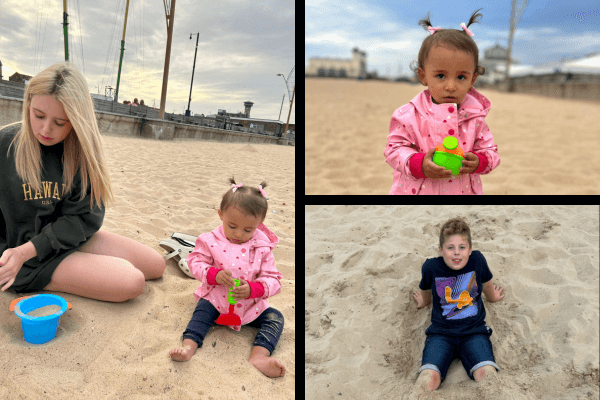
(224, 278)
(470, 164)
(433, 171)
(497, 294)
(419, 299)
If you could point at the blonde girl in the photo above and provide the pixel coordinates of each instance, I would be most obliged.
(55, 187)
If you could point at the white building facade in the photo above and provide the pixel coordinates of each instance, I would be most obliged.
(356, 67)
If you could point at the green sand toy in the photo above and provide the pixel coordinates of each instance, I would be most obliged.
(449, 155)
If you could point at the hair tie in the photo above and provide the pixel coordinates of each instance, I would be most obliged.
(236, 186)
(466, 29)
(262, 191)
(432, 30)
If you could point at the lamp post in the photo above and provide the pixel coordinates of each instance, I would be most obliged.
(187, 112)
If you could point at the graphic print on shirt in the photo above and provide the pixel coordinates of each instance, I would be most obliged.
(50, 191)
(458, 295)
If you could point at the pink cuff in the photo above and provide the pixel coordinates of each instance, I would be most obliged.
(256, 290)
(483, 163)
(415, 164)
(211, 276)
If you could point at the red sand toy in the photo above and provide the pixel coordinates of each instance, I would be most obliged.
(230, 318)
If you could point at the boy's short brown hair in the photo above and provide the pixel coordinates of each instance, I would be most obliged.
(455, 226)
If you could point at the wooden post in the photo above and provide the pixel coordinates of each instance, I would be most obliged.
(170, 15)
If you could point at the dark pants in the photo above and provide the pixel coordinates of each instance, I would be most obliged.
(474, 351)
(269, 323)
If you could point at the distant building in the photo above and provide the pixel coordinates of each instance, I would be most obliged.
(494, 62)
(101, 97)
(16, 78)
(568, 79)
(20, 78)
(14, 86)
(247, 106)
(243, 120)
(356, 67)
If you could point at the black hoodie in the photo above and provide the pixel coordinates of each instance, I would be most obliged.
(57, 223)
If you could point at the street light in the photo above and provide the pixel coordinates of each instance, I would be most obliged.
(187, 112)
(291, 100)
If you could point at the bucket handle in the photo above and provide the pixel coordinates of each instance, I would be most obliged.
(15, 301)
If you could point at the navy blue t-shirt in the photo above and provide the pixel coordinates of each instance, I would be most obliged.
(456, 295)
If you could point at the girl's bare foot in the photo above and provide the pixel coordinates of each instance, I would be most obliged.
(185, 352)
(271, 367)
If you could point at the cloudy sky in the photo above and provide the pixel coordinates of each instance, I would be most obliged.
(243, 46)
(388, 30)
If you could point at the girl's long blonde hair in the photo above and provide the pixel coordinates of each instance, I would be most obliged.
(82, 147)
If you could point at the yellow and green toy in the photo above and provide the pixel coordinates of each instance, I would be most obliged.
(449, 155)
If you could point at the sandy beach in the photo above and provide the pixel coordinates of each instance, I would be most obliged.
(120, 350)
(365, 336)
(543, 142)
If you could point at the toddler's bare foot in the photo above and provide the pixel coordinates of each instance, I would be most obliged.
(182, 354)
(271, 367)
(186, 352)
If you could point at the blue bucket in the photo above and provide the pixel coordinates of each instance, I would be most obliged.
(39, 330)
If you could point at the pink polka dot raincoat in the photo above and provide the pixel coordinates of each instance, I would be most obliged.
(252, 261)
(421, 125)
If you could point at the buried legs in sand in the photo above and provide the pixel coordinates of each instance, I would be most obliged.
(259, 357)
(433, 380)
(430, 378)
(486, 370)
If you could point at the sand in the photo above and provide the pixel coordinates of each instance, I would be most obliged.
(365, 336)
(545, 144)
(120, 350)
(44, 311)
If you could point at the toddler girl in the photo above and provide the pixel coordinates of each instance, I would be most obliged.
(448, 66)
(241, 249)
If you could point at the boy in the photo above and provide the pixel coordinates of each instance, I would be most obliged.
(458, 316)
